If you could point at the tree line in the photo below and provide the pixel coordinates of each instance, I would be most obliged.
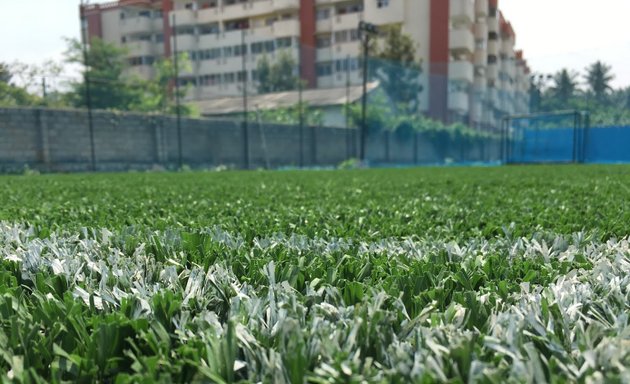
(104, 72)
(393, 62)
(590, 91)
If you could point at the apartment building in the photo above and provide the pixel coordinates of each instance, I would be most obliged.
(471, 70)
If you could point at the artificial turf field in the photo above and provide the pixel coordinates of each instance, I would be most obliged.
(419, 275)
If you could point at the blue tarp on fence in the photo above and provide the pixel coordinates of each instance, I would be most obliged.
(556, 145)
(607, 145)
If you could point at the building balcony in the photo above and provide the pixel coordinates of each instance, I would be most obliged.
(392, 14)
(476, 111)
(325, 81)
(324, 25)
(248, 9)
(135, 25)
(324, 54)
(286, 28)
(492, 71)
(507, 47)
(480, 58)
(343, 50)
(209, 15)
(481, 31)
(493, 96)
(185, 42)
(462, 11)
(461, 41)
(508, 68)
(481, 8)
(461, 71)
(480, 86)
(347, 21)
(493, 24)
(493, 47)
(145, 72)
(144, 48)
(285, 5)
(184, 17)
(458, 101)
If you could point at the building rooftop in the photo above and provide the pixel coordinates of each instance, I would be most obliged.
(313, 97)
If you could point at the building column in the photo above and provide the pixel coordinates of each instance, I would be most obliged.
(308, 49)
(438, 60)
(167, 7)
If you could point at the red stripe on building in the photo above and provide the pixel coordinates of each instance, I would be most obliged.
(438, 60)
(307, 42)
(92, 16)
(167, 7)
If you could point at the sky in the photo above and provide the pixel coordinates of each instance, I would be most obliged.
(554, 34)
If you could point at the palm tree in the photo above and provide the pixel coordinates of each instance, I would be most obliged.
(598, 77)
(5, 73)
(565, 85)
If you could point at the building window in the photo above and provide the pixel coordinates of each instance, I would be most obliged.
(228, 78)
(382, 3)
(354, 34)
(341, 37)
(323, 14)
(240, 50)
(324, 69)
(257, 48)
(284, 42)
(323, 41)
(209, 29)
(270, 46)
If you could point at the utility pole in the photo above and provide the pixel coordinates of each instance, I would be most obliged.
(177, 101)
(366, 30)
(44, 90)
(86, 79)
(300, 108)
(348, 136)
(245, 107)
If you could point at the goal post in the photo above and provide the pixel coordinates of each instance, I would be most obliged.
(551, 137)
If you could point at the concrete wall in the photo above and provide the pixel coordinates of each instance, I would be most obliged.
(59, 140)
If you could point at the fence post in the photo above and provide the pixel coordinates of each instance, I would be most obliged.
(415, 147)
(245, 144)
(314, 145)
(43, 155)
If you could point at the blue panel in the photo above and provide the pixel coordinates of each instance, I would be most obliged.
(608, 145)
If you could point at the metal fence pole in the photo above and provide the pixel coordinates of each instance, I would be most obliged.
(300, 109)
(177, 101)
(245, 103)
(366, 29)
(88, 91)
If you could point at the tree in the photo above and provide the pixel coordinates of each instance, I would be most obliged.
(159, 94)
(598, 76)
(263, 69)
(111, 87)
(13, 95)
(5, 73)
(398, 69)
(279, 76)
(105, 71)
(564, 87)
(290, 115)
